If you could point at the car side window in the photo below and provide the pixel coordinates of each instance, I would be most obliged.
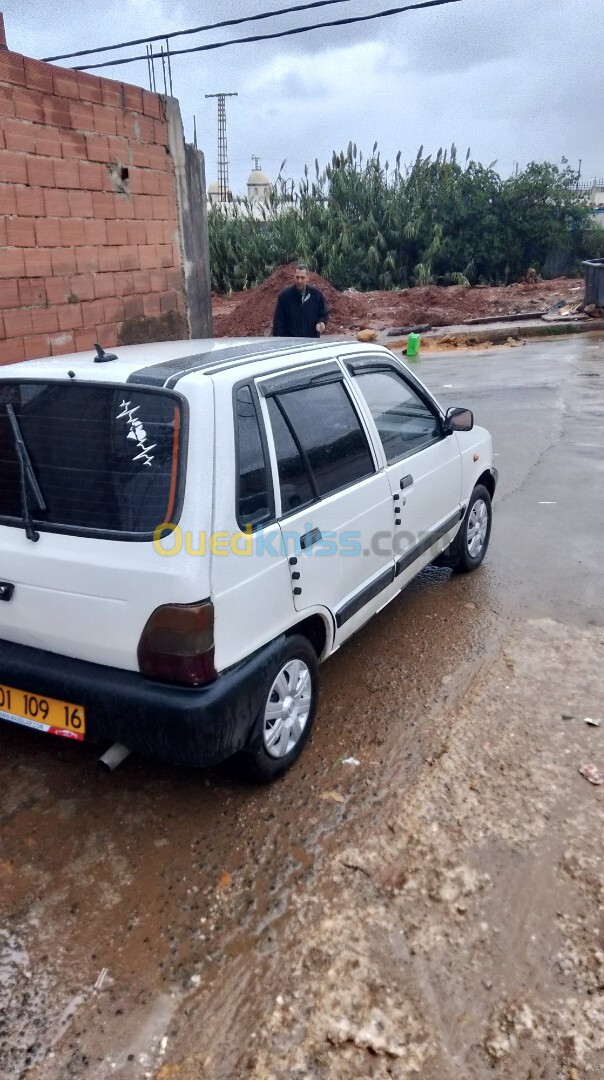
(294, 478)
(330, 441)
(254, 502)
(404, 421)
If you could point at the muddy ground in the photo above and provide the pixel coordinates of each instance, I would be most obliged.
(435, 910)
(251, 312)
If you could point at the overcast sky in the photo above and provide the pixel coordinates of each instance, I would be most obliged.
(515, 80)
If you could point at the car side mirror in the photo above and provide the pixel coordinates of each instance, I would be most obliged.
(458, 420)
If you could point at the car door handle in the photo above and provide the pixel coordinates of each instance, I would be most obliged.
(406, 481)
(310, 538)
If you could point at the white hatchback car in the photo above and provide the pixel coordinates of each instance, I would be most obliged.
(188, 528)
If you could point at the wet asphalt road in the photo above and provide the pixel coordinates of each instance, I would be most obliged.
(157, 883)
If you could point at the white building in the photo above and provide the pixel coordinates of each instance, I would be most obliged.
(259, 189)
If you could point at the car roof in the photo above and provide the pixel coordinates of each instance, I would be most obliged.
(164, 363)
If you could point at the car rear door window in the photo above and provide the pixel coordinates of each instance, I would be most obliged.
(320, 443)
(404, 421)
(254, 499)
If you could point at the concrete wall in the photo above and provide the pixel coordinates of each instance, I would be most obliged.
(92, 245)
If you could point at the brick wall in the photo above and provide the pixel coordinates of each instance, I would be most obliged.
(89, 221)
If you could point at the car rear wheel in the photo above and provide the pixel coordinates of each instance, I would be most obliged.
(285, 720)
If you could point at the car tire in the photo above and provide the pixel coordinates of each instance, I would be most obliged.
(469, 548)
(282, 728)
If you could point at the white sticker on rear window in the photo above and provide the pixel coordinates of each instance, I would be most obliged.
(137, 432)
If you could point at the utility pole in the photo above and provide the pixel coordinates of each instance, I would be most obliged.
(223, 161)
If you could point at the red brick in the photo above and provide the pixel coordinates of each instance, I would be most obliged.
(151, 105)
(62, 343)
(7, 100)
(91, 176)
(2, 330)
(154, 232)
(70, 316)
(12, 68)
(141, 280)
(67, 174)
(168, 301)
(151, 182)
(73, 233)
(37, 263)
(29, 105)
(82, 117)
(73, 145)
(17, 322)
(151, 305)
(158, 158)
(104, 120)
(45, 321)
(136, 232)
(167, 185)
(97, 148)
(8, 199)
(57, 292)
(124, 284)
(124, 207)
(148, 257)
(95, 232)
(109, 259)
(19, 136)
(36, 346)
(159, 282)
(104, 286)
(118, 148)
(12, 263)
(14, 170)
(87, 260)
(160, 132)
(56, 203)
(114, 309)
(9, 294)
(30, 201)
(92, 312)
(107, 336)
(89, 87)
(133, 97)
(56, 111)
(12, 351)
(38, 75)
(133, 306)
(139, 156)
(3, 239)
(63, 261)
(171, 235)
(143, 207)
(165, 255)
(135, 181)
(48, 141)
(40, 172)
(82, 286)
(32, 293)
(112, 94)
(117, 232)
(174, 278)
(85, 340)
(161, 207)
(143, 129)
(129, 258)
(65, 84)
(103, 204)
(48, 232)
(80, 204)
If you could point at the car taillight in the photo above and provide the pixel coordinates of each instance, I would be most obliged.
(177, 644)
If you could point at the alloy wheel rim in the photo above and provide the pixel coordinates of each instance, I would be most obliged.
(287, 709)
(478, 523)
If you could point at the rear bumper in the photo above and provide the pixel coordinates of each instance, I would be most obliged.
(187, 726)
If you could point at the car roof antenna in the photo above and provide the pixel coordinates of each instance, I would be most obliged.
(101, 356)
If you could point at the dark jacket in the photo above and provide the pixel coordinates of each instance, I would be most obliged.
(297, 314)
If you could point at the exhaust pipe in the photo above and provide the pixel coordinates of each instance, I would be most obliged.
(114, 756)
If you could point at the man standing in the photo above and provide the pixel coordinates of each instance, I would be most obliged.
(301, 310)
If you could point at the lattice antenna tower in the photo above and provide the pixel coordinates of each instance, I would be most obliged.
(223, 161)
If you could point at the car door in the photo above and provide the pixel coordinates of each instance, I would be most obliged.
(422, 464)
(335, 504)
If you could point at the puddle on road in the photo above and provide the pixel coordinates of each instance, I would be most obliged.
(180, 883)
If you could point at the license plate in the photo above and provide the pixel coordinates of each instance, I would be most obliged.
(42, 713)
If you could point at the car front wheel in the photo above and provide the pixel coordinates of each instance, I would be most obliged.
(285, 720)
(470, 545)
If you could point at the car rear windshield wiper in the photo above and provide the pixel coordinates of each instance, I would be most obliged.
(28, 476)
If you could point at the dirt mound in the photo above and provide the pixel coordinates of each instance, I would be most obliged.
(253, 313)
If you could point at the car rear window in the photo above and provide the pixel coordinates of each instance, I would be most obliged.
(106, 458)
